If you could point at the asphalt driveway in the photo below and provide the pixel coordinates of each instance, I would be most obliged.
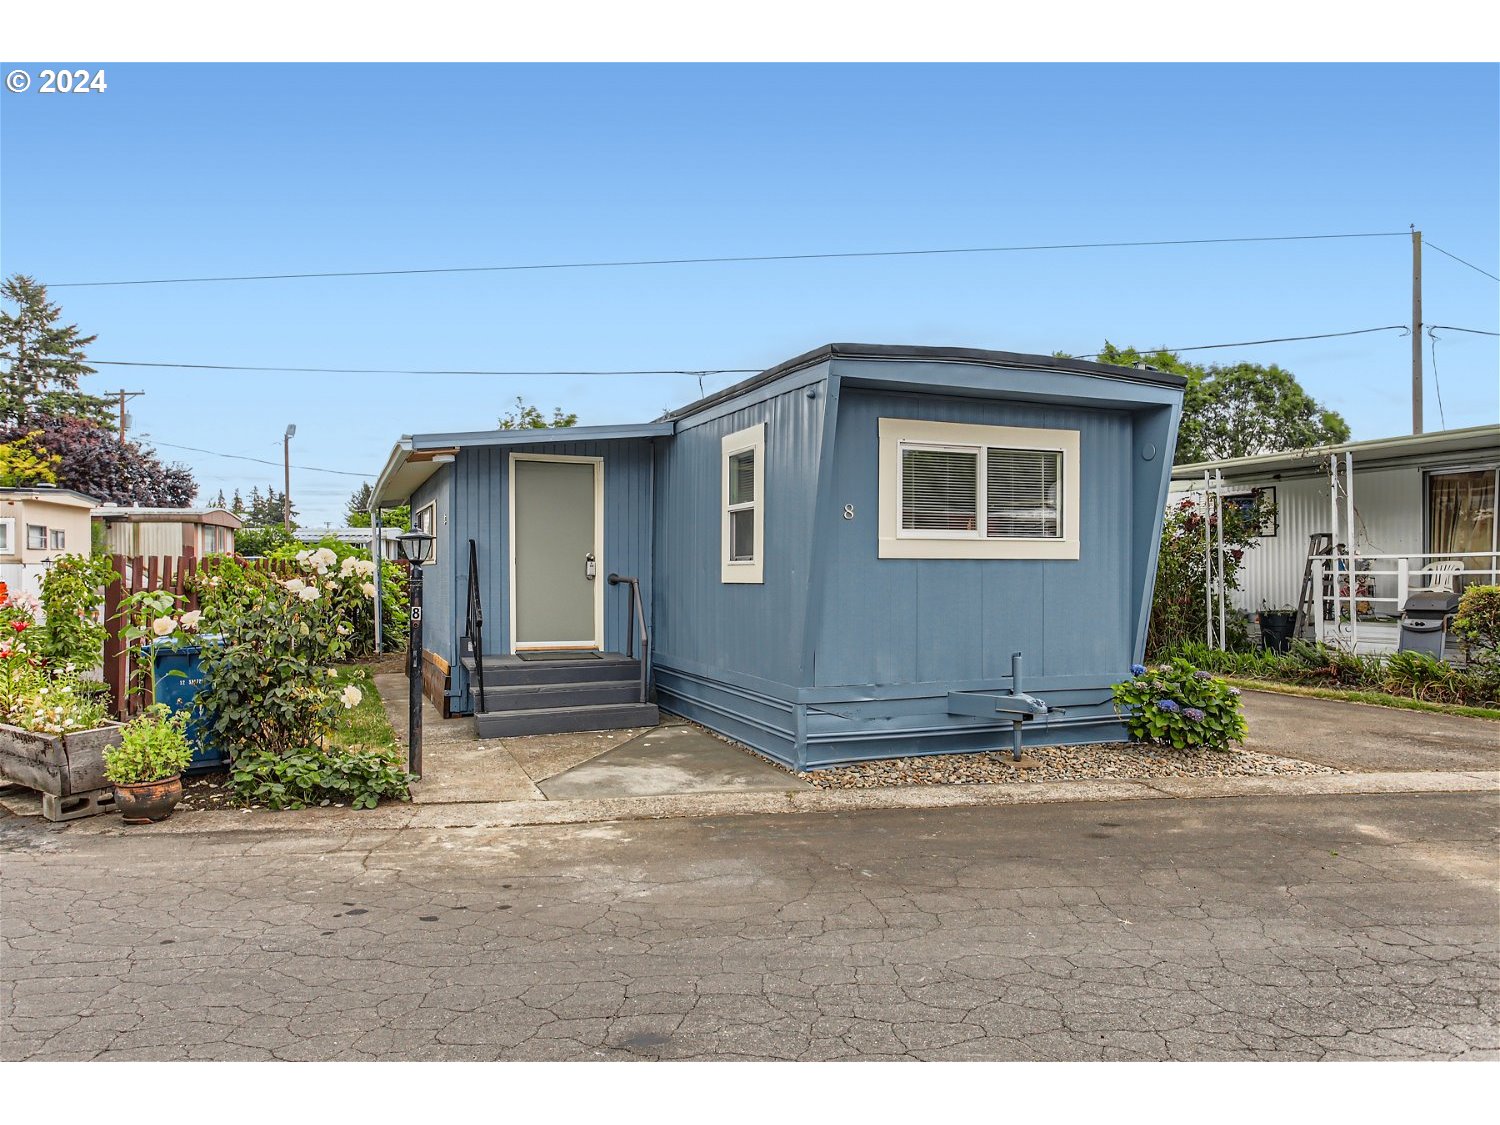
(1364, 738)
(1344, 927)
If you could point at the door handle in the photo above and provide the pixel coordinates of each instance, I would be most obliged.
(590, 566)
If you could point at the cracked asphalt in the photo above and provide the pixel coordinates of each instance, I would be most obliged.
(1344, 927)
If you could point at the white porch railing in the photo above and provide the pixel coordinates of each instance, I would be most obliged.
(1342, 607)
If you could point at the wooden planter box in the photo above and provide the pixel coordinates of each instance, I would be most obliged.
(67, 769)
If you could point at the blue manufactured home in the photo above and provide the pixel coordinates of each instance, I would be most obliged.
(834, 560)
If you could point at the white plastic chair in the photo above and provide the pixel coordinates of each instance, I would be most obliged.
(1441, 577)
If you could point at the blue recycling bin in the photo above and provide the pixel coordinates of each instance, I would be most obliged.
(179, 678)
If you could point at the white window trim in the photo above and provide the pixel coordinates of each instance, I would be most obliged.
(430, 506)
(896, 543)
(30, 527)
(9, 546)
(748, 570)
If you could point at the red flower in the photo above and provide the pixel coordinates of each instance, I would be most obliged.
(18, 626)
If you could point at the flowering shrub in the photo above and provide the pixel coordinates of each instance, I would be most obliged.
(35, 694)
(71, 631)
(1478, 624)
(1177, 606)
(1177, 705)
(349, 576)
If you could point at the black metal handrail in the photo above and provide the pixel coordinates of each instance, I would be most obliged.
(474, 621)
(638, 613)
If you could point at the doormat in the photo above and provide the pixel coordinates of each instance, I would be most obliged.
(558, 655)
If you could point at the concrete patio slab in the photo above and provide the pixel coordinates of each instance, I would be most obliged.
(670, 759)
(547, 755)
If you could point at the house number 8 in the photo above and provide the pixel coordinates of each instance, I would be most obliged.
(848, 511)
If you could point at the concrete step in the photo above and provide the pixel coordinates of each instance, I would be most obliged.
(511, 671)
(559, 720)
(526, 697)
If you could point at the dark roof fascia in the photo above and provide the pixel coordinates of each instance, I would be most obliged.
(928, 354)
(479, 438)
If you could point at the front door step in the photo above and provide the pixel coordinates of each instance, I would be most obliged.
(561, 720)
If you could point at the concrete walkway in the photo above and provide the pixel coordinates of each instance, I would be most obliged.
(674, 758)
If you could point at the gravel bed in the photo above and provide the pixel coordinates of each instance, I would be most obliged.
(1108, 760)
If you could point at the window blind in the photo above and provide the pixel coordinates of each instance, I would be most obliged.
(939, 489)
(742, 478)
(1021, 487)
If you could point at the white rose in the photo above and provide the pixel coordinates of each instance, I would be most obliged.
(294, 585)
(351, 695)
(368, 589)
(344, 630)
(308, 593)
(163, 626)
(190, 619)
(303, 556)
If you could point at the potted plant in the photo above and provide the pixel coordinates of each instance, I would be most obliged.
(146, 767)
(1276, 628)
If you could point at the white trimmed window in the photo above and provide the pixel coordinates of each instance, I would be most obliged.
(425, 519)
(7, 536)
(955, 491)
(742, 474)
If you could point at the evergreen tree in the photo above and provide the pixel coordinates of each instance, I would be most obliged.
(237, 506)
(42, 360)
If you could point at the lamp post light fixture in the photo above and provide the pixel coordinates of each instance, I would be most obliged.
(416, 548)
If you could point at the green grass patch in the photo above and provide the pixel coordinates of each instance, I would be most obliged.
(365, 725)
(1377, 698)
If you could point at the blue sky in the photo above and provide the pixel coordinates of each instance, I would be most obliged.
(203, 169)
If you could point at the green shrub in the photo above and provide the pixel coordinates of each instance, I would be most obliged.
(1180, 706)
(153, 747)
(295, 779)
(1478, 623)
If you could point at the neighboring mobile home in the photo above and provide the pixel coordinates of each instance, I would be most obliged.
(363, 537)
(835, 559)
(38, 523)
(1424, 517)
(168, 531)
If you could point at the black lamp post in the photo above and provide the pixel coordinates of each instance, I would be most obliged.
(416, 548)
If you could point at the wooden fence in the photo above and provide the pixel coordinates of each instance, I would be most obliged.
(137, 573)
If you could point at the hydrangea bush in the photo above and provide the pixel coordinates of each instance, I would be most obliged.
(1177, 705)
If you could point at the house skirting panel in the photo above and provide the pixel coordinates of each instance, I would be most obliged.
(800, 735)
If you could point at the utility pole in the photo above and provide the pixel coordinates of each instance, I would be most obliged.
(286, 486)
(1416, 330)
(123, 396)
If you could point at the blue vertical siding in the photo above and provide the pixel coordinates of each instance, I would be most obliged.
(751, 630)
(482, 490)
(908, 621)
(438, 632)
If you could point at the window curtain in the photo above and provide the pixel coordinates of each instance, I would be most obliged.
(1461, 514)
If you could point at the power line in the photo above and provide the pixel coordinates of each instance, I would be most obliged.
(400, 371)
(259, 460)
(1442, 417)
(1273, 340)
(722, 260)
(1455, 328)
(1460, 261)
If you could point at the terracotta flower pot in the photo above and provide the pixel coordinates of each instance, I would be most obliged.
(148, 801)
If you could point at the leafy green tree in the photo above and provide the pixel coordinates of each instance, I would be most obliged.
(23, 462)
(42, 360)
(525, 416)
(263, 510)
(1240, 409)
(357, 511)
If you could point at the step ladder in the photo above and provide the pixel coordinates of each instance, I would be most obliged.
(1319, 546)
